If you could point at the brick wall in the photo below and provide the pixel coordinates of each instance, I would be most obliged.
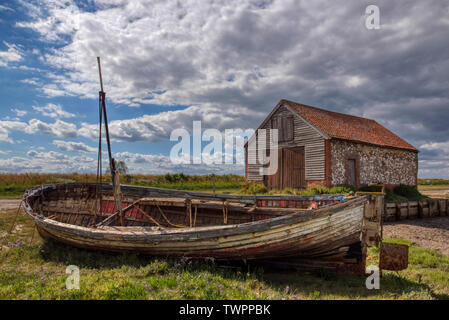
(373, 164)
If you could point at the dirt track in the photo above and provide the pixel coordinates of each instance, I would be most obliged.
(9, 204)
(430, 233)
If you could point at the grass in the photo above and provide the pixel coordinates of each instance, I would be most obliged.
(433, 187)
(433, 182)
(36, 270)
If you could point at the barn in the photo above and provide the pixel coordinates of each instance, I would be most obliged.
(318, 147)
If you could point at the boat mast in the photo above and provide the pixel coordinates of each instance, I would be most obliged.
(114, 173)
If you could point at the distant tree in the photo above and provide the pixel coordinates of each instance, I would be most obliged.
(121, 167)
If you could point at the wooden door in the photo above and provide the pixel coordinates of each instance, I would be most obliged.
(274, 181)
(351, 174)
(291, 171)
(293, 168)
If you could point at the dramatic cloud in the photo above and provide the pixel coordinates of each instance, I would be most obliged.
(54, 111)
(250, 54)
(230, 62)
(12, 54)
(156, 127)
(71, 146)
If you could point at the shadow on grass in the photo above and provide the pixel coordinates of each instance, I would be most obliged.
(323, 283)
(53, 251)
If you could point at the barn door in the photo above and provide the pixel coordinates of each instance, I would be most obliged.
(274, 181)
(351, 174)
(293, 168)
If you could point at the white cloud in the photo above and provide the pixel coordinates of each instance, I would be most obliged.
(18, 112)
(5, 8)
(58, 129)
(12, 54)
(54, 111)
(156, 127)
(48, 162)
(354, 81)
(436, 146)
(72, 146)
(32, 81)
(159, 164)
(7, 126)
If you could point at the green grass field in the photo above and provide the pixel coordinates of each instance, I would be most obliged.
(34, 269)
(433, 187)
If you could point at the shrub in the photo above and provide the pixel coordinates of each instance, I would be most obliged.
(343, 188)
(253, 188)
(390, 196)
(409, 192)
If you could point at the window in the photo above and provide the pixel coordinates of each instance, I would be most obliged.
(285, 128)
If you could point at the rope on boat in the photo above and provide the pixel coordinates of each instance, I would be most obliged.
(166, 219)
(194, 219)
(106, 221)
(225, 212)
(98, 190)
(149, 217)
(188, 203)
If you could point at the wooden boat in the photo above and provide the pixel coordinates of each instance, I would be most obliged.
(312, 230)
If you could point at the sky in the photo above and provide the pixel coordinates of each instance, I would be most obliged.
(225, 63)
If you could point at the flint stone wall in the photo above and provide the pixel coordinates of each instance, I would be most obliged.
(375, 164)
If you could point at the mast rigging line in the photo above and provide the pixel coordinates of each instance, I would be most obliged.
(114, 174)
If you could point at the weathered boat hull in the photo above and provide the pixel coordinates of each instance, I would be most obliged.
(328, 236)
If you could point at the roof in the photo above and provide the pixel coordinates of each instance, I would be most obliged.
(346, 127)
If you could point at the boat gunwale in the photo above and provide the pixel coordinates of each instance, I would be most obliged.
(195, 194)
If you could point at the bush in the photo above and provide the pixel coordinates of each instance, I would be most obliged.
(253, 188)
(343, 188)
(370, 189)
(390, 196)
(409, 192)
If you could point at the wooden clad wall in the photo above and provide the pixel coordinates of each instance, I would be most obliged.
(252, 165)
(313, 142)
(303, 136)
